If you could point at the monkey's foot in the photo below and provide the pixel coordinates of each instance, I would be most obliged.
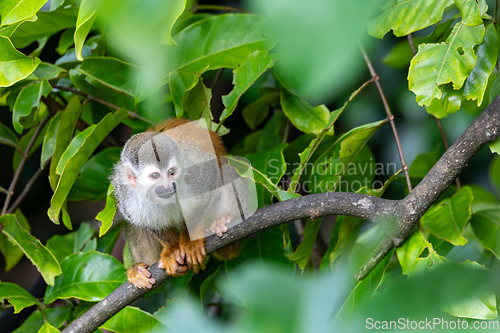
(219, 226)
(172, 261)
(140, 277)
(193, 252)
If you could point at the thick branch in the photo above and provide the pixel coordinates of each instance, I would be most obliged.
(405, 212)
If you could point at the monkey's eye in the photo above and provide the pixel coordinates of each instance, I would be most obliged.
(154, 175)
(172, 171)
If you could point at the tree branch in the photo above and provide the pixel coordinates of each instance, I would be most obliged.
(405, 214)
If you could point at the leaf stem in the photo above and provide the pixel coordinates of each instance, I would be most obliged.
(390, 116)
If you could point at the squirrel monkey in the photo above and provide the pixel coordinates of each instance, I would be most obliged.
(174, 187)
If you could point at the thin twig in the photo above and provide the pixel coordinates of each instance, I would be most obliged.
(412, 46)
(217, 7)
(28, 187)
(101, 101)
(25, 155)
(390, 116)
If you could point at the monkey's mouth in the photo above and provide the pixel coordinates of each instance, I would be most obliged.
(166, 192)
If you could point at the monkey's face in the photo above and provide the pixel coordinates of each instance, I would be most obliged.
(160, 184)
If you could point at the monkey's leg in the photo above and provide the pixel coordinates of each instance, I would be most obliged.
(171, 259)
(139, 276)
(193, 252)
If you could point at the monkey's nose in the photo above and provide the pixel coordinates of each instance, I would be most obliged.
(164, 192)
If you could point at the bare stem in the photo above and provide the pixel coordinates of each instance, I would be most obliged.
(389, 116)
(13, 183)
(101, 101)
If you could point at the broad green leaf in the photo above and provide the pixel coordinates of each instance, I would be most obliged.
(107, 215)
(65, 41)
(44, 261)
(487, 54)
(486, 226)
(303, 252)
(55, 316)
(268, 167)
(197, 103)
(12, 253)
(132, 319)
(83, 277)
(93, 180)
(495, 146)
(484, 308)
(48, 328)
(257, 111)
(47, 71)
(424, 162)
(333, 164)
(14, 66)
(28, 102)
(19, 297)
(308, 35)
(75, 163)
(180, 82)
(410, 254)
(7, 137)
(306, 118)
(438, 64)
(49, 140)
(470, 10)
(87, 13)
(447, 219)
(245, 75)
(408, 16)
(62, 246)
(494, 173)
(47, 24)
(12, 11)
(113, 73)
(449, 102)
(199, 48)
(64, 134)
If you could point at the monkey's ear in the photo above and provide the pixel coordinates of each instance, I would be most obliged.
(129, 174)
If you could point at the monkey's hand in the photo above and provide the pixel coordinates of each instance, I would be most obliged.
(140, 277)
(171, 260)
(193, 252)
(219, 226)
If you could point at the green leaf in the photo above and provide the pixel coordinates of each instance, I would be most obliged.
(303, 252)
(48, 328)
(47, 24)
(408, 16)
(257, 111)
(19, 297)
(14, 66)
(303, 116)
(47, 71)
(197, 102)
(7, 137)
(487, 55)
(64, 134)
(486, 226)
(49, 140)
(333, 164)
(447, 219)
(107, 215)
(62, 246)
(199, 48)
(494, 173)
(55, 316)
(410, 254)
(87, 13)
(12, 253)
(484, 308)
(12, 11)
(93, 180)
(84, 277)
(44, 261)
(495, 146)
(28, 102)
(438, 64)
(132, 319)
(180, 82)
(91, 139)
(245, 75)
